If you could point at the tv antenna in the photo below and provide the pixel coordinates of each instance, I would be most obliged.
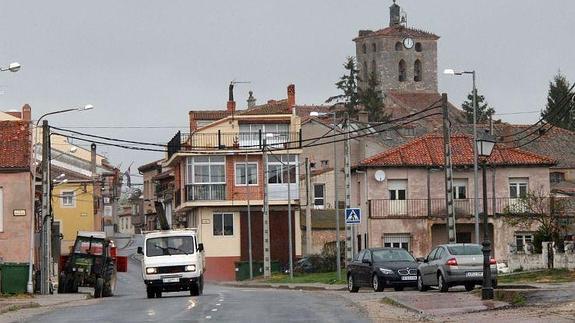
(231, 88)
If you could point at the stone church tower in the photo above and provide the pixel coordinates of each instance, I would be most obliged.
(404, 59)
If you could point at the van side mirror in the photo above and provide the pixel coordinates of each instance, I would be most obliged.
(200, 247)
(140, 251)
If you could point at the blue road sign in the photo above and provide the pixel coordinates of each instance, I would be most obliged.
(352, 216)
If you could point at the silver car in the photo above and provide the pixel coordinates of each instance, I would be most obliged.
(453, 264)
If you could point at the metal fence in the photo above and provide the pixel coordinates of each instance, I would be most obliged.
(203, 192)
(436, 207)
(239, 140)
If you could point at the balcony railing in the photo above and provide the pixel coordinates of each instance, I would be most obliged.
(221, 140)
(205, 192)
(436, 207)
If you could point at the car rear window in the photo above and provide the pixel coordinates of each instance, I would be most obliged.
(391, 255)
(468, 249)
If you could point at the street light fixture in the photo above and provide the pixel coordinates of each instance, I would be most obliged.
(46, 213)
(13, 67)
(485, 146)
(336, 198)
(450, 71)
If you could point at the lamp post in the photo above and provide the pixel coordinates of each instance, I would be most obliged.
(46, 201)
(336, 198)
(475, 179)
(13, 67)
(484, 147)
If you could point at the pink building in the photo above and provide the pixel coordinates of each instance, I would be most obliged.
(16, 212)
(406, 204)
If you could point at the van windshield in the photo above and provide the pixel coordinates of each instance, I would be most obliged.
(168, 246)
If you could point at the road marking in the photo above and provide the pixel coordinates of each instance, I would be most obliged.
(214, 309)
(218, 304)
(208, 317)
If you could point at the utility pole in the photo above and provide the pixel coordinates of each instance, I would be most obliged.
(290, 243)
(46, 216)
(266, 215)
(336, 200)
(349, 239)
(308, 232)
(450, 216)
(249, 220)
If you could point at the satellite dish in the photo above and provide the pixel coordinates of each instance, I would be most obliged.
(380, 176)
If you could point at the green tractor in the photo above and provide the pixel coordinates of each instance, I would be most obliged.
(93, 262)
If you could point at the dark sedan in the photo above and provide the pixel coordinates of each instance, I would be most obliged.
(382, 267)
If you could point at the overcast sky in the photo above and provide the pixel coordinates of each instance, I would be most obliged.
(146, 63)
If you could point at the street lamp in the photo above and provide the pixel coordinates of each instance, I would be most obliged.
(46, 214)
(336, 199)
(13, 67)
(484, 147)
(475, 180)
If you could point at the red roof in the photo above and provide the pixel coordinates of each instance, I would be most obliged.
(427, 151)
(14, 145)
(401, 32)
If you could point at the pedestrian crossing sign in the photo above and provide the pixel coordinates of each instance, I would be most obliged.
(352, 216)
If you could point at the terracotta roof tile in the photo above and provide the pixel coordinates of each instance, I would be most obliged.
(427, 151)
(14, 144)
(272, 107)
(401, 32)
(209, 114)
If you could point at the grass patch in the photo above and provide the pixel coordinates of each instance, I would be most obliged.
(546, 276)
(16, 296)
(389, 301)
(514, 298)
(322, 278)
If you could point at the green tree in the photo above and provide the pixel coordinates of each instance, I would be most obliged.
(348, 85)
(372, 100)
(559, 110)
(484, 111)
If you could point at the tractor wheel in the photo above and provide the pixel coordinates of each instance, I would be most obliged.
(98, 288)
(63, 284)
(109, 280)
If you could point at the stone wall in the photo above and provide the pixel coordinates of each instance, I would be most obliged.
(561, 260)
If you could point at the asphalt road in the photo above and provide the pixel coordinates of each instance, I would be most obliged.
(219, 303)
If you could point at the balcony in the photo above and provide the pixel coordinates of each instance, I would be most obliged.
(232, 141)
(205, 192)
(436, 207)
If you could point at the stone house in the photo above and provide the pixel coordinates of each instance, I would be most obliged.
(405, 202)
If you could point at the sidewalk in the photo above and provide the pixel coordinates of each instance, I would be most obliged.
(9, 305)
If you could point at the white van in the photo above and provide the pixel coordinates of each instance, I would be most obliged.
(173, 261)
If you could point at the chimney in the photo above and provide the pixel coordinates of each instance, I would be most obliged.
(394, 15)
(363, 117)
(251, 100)
(291, 96)
(231, 107)
(26, 112)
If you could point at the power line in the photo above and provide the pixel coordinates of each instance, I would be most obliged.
(111, 144)
(111, 139)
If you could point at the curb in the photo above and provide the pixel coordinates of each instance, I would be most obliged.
(284, 287)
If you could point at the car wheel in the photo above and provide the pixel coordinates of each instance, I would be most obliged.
(398, 288)
(469, 287)
(351, 286)
(420, 285)
(376, 283)
(150, 292)
(441, 283)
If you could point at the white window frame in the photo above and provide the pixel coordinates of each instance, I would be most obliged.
(396, 240)
(242, 166)
(222, 215)
(523, 236)
(191, 169)
(315, 198)
(518, 182)
(283, 162)
(62, 199)
(457, 183)
(249, 133)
